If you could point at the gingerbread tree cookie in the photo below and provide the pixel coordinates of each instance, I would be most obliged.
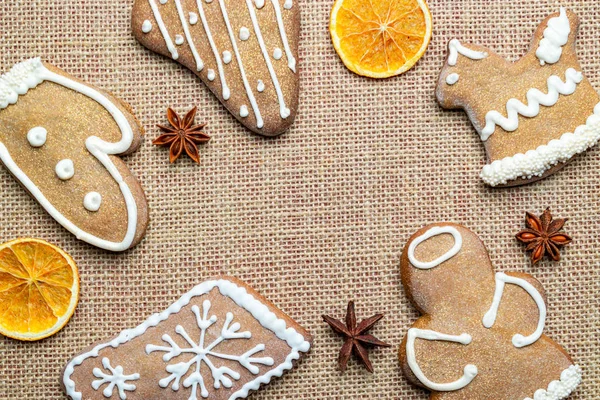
(533, 115)
(481, 334)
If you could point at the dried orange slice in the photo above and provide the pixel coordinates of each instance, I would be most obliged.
(380, 38)
(39, 289)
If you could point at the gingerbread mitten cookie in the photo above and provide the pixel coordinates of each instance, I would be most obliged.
(220, 341)
(481, 334)
(245, 51)
(533, 115)
(60, 138)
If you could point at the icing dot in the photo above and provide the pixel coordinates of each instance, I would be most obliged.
(163, 1)
(288, 4)
(261, 86)
(179, 40)
(37, 136)
(259, 3)
(65, 169)
(244, 33)
(147, 26)
(209, 1)
(211, 75)
(277, 53)
(226, 57)
(193, 18)
(92, 201)
(244, 111)
(452, 79)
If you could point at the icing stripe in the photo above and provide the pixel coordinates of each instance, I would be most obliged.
(283, 110)
(489, 318)
(570, 378)
(213, 46)
(435, 231)
(188, 36)
(535, 98)
(163, 30)
(243, 299)
(259, 120)
(457, 48)
(470, 370)
(536, 162)
(284, 39)
(36, 74)
(556, 35)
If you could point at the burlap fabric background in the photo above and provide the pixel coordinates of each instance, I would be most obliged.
(314, 218)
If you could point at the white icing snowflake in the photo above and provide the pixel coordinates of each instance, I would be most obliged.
(116, 378)
(202, 353)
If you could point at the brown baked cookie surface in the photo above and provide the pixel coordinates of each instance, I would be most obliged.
(245, 51)
(61, 139)
(481, 334)
(222, 340)
(533, 115)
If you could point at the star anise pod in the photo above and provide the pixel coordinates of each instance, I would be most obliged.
(356, 338)
(182, 135)
(543, 236)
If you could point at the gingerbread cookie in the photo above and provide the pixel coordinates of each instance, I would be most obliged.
(60, 138)
(481, 334)
(533, 115)
(221, 340)
(245, 51)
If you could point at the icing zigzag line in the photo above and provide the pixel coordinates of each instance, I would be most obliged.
(535, 98)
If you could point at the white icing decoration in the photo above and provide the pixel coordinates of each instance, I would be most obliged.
(489, 318)
(226, 57)
(535, 98)
(116, 379)
(163, 1)
(179, 40)
(244, 111)
(163, 28)
(452, 78)
(284, 112)
(435, 231)
(536, 162)
(27, 75)
(65, 169)
(147, 26)
(213, 46)
(556, 35)
(457, 48)
(211, 75)
(249, 92)
(193, 18)
(205, 353)
(37, 136)
(92, 201)
(188, 36)
(261, 86)
(470, 371)
(259, 3)
(243, 299)
(277, 53)
(288, 4)
(284, 39)
(244, 33)
(570, 378)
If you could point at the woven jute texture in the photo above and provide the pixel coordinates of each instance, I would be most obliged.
(316, 217)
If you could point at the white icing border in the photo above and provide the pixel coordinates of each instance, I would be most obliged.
(243, 299)
(535, 162)
(28, 75)
(570, 378)
(435, 231)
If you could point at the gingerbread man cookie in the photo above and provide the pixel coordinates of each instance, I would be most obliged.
(245, 51)
(481, 334)
(61, 138)
(533, 115)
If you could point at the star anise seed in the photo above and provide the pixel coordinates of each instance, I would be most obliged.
(181, 135)
(356, 338)
(543, 236)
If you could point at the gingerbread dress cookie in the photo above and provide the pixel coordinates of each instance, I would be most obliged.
(61, 138)
(533, 115)
(245, 51)
(481, 334)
